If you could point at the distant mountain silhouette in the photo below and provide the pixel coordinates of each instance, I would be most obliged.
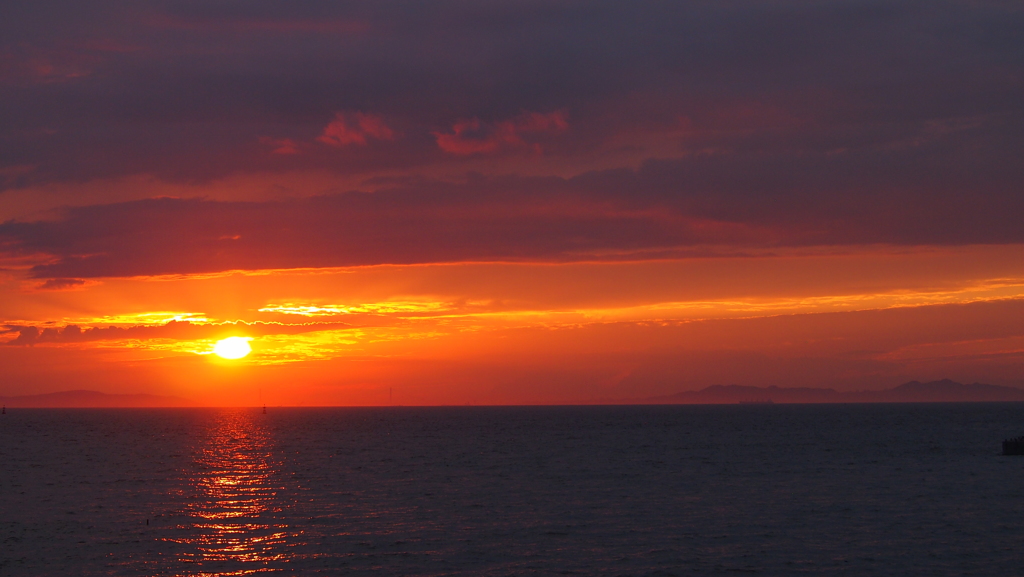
(90, 399)
(944, 391)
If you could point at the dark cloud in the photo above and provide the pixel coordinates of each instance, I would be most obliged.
(31, 335)
(62, 284)
(770, 123)
(186, 90)
(936, 190)
(435, 223)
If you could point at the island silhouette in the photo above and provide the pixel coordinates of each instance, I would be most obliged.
(944, 391)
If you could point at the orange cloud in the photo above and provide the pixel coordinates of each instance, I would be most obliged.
(355, 128)
(473, 137)
(391, 307)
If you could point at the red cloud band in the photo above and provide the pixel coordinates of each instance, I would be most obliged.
(473, 137)
(356, 128)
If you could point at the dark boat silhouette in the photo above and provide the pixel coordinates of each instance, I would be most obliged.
(1013, 446)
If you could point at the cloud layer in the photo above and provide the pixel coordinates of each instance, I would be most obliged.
(507, 131)
(186, 90)
(32, 335)
(734, 203)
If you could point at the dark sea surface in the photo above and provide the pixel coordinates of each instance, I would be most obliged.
(668, 490)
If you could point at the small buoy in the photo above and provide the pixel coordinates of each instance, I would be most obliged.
(147, 522)
(264, 409)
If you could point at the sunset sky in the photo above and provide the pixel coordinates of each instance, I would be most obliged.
(509, 201)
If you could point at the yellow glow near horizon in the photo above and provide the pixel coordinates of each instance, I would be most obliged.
(387, 307)
(232, 347)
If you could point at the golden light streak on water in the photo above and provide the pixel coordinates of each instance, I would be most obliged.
(232, 490)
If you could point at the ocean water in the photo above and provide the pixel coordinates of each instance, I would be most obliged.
(668, 490)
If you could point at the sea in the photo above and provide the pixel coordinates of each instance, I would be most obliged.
(881, 489)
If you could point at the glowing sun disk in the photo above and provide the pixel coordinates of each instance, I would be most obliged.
(232, 347)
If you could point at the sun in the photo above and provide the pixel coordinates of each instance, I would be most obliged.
(232, 347)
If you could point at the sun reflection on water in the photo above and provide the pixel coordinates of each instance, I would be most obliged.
(232, 494)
